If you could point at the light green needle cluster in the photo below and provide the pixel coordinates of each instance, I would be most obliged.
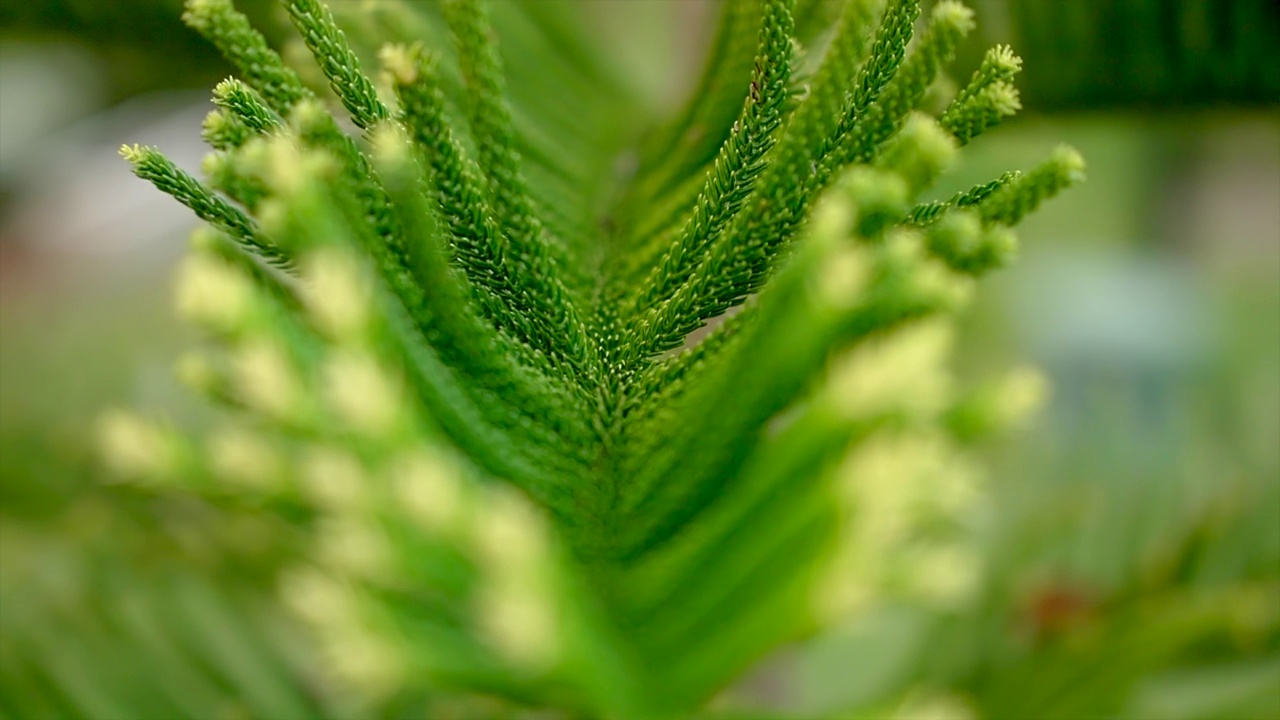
(988, 98)
(456, 348)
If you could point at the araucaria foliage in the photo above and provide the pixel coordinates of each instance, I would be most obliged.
(454, 340)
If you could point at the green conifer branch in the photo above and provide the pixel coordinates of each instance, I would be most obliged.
(149, 164)
(242, 103)
(246, 49)
(692, 140)
(503, 486)
(987, 99)
(897, 27)
(478, 245)
(729, 183)
(817, 117)
(1022, 195)
(328, 44)
(490, 120)
(965, 245)
(949, 23)
(774, 218)
(781, 182)
(358, 195)
(220, 168)
(925, 213)
(540, 260)
(998, 65)
(493, 360)
(222, 130)
(982, 112)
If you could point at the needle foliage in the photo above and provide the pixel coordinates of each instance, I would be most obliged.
(567, 402)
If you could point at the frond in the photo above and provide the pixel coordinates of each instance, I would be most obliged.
(463, 389)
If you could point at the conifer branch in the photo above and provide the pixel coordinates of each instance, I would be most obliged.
(987, 99)
(1009, 204)
(689, 142)
(753, 241)
(949, 23)
(222, 130)
(983, 111)
(731, 412)
(532, 295)
(242, 103)
(154, 167)
(246, 49)
(925, 213)
(999, 64)
(961, 241)
(490, 120)
(453, 323)
(500, 483)
(479, 247)
(897, 27)
(220, 168)
(338, 61)
(729, 181)
(538, 257)
(777, 205)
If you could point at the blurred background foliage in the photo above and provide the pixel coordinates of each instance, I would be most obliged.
(1134, 532)
(1142, 53)
(141, 44)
